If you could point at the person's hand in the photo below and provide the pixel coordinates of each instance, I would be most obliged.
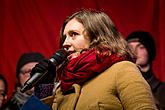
(43, 66)
(44, 86)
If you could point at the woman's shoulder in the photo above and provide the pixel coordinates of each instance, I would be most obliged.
(125, 72)
(124, 67)
(125, 64)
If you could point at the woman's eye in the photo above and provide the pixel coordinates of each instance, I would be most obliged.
(73, 34)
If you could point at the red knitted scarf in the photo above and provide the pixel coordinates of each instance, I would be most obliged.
(86, 66)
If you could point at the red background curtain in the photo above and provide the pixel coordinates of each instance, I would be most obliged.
(34, 25)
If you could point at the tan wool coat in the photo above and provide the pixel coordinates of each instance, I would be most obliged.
(120, 87)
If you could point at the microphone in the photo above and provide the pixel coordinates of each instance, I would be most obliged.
(57, 59)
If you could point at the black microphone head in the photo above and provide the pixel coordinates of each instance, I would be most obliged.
(59, 57)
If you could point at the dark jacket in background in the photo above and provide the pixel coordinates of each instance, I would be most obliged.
(158, 88)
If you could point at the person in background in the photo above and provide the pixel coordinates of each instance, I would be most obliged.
(99, 73)
(143, 44)
(23, 69)
(3, 89)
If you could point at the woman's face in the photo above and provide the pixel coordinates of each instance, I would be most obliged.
(141, 52)
(75, 37)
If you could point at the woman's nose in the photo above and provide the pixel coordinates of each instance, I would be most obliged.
(66, 44)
